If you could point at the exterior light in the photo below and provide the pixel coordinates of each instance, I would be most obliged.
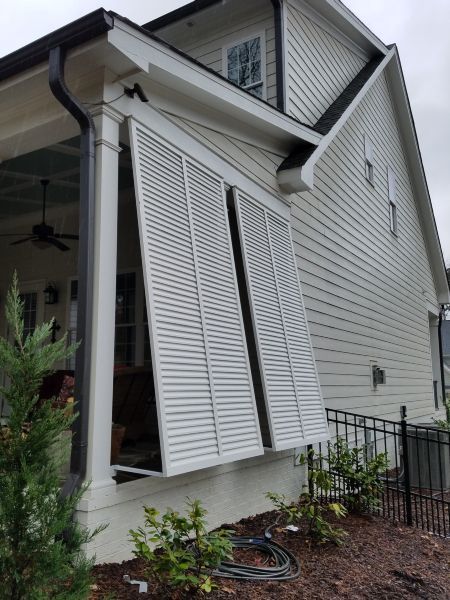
(51, 294)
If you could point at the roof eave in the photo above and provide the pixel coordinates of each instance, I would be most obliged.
(71, 35)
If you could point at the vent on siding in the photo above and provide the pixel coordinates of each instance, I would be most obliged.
(292, 393)
(206, 406)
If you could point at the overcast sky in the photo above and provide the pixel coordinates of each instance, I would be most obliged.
(420, 29)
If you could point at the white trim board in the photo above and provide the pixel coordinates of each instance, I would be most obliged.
(300, 179)
(173, 70)
(152, 118)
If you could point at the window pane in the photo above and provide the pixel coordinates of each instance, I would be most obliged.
(232, 58)
(124, 347)
(29, 312)
(255, 49)
(256, 72)
(233, 75)
(244, 53)
(244, 75)
(125, 298)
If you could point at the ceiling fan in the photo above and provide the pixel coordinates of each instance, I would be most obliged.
(42, 235)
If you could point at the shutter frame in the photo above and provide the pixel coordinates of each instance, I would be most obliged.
(392, 185)
(304, 432)
(236, 437)
(368, 149)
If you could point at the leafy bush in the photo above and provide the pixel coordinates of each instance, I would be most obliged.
(361, 476)
(35, 561)
(311, 506)
(444, 423)
(179, 550)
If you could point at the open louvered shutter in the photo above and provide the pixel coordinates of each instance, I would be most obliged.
(291, 388)
(206, 406)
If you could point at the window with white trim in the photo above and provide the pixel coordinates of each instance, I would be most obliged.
(244, 65)
(392, 195)
(369, 165)
(125, 339)
(29, 300)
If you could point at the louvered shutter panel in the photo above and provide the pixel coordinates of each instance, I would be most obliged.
(392, 185)
(292, 393)
(368, 149)
(206, 406)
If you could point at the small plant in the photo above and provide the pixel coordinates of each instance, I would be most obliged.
(444, 423)
(311, 506)
(40, 544)
(361, 476)
(179, 550)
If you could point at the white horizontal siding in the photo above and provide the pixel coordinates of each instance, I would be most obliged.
(319, 66)
(365, 290)
(205, 44)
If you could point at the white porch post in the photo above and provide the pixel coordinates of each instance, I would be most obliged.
(105, 259)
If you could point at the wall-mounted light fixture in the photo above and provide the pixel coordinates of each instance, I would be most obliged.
(51, 294)
(378, 376)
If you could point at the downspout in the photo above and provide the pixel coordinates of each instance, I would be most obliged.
(78, 460)
(279, 52)
(441, 360)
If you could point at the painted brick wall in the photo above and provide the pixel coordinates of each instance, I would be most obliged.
(229, 492)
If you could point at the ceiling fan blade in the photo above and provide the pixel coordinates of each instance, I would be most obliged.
(65, 236)
(14, 234)
(56, 243)
(27, 239)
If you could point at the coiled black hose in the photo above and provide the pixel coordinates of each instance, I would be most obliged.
(286, 565)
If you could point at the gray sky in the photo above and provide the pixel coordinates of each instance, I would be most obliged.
(420, 29)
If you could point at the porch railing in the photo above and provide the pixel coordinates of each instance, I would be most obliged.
(416, 484)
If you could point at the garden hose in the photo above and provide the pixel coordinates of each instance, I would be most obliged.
(286, 565)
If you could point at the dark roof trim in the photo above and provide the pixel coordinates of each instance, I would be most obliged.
(179, 13)
(334, 112)
(331, 116)
(71, 35)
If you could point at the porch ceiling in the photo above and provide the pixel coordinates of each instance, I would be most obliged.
(20, 188)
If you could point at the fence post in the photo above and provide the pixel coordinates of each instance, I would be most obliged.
(404, 430)
(309, 450)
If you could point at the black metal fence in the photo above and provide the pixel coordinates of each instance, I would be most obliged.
(416, 485)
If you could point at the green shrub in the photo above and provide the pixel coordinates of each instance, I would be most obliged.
(444, 423)
(360, 475)
(179, 550)
(311, 505)
(35, 561)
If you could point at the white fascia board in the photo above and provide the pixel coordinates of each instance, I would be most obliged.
(300, 179)
(168, 67)
(232, 174)
(405, 121)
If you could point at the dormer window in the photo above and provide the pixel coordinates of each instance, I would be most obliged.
(244, 66)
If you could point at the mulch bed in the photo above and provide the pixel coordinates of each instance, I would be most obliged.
(379, 560)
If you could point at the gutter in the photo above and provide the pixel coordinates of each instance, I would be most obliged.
(279, 51)
(78, 32)
(78, 460)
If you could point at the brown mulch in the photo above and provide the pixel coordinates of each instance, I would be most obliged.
(379, 560)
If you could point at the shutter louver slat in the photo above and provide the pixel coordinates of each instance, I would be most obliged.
(293, 400)
(205, 401)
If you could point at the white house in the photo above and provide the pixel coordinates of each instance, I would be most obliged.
(256, 240)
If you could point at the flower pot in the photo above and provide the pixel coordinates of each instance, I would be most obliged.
(117, 435)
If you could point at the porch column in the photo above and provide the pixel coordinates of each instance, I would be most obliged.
(107, 122)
